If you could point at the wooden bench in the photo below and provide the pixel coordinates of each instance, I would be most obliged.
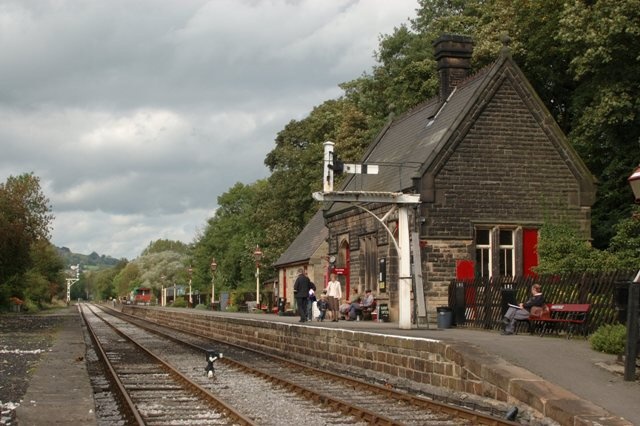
(573, 315)
(366, 312)
(363, 313)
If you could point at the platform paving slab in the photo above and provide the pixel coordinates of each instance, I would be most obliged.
(59, 391)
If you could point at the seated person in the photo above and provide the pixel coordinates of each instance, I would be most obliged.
(343, 309)
(354, 307)
(523, 311)
(361, 305)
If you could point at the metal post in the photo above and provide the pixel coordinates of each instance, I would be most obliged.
(631, 349)
(190, 297)
(257, 255)
(213, 266)
(257, 285)
(213, 293)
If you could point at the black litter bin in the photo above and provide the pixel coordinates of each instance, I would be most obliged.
(445, 316)
(281, 305)
(508, 297)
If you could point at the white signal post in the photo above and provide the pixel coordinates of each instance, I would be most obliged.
(327, 180)
(72, 281)
(399, 200)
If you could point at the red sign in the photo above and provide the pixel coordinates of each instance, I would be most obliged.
(339, 271)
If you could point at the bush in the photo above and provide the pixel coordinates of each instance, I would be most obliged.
(180, 303)
(31, 306)
(232, 308)
(609, 339)
(201, 307)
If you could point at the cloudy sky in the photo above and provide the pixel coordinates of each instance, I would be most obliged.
(137, 114)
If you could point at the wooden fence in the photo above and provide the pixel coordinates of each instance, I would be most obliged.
(482, 302)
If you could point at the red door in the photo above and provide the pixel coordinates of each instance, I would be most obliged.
(529, 251)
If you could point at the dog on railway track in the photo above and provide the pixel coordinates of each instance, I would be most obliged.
(212, 356)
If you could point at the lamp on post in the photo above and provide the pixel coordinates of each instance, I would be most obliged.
(190, 271)
(634, 181)
(163, 291)
(257, 255)
(213, 266)
(631, 349)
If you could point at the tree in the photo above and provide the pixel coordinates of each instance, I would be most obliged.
(25, 217)
(603, 41)
(47, 264)
(562, 250)
(625, 244)
(230, 236)
(159, 246)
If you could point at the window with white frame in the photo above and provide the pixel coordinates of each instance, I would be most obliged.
(507, 258)
(495, 246)
(483, 253)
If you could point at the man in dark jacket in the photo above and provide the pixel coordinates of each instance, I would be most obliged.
(301, 293)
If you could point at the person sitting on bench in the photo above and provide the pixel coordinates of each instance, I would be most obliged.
(522, 311)
(362, 304)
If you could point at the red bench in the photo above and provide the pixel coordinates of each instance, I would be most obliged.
(572, 315)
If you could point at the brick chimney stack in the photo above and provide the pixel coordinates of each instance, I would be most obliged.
(453, 53)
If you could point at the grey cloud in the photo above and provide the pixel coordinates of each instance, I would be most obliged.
(138, 114)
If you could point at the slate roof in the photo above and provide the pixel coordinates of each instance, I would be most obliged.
(402, 147)
(411, 144)
(306, 243)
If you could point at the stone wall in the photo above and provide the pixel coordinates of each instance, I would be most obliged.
(454, 366)
(504, 170)
(423, 361)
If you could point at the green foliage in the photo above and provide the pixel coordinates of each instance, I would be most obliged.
(625, 244)
(30, 268)
(201, 307)
(30, 306)
(232, 308)
(160, 246)
(609, 339)
(36, 287)
(602, 38)
(179, 303)
(562, 250)
(25, 217)
(90, 261)
(231, 237)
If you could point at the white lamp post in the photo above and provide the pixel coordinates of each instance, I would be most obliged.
(213, 266)
(190, 271)
(163, 292)
(257, 255)
(634, 181)
(631, 348)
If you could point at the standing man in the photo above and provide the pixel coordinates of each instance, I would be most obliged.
(301, 293)
(334, 294)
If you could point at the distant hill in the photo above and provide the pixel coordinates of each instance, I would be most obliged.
(88, 261)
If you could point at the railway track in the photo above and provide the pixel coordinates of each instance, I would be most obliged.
(330, 398)
(152, 391)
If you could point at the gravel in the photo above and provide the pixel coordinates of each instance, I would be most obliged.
(23, 341)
